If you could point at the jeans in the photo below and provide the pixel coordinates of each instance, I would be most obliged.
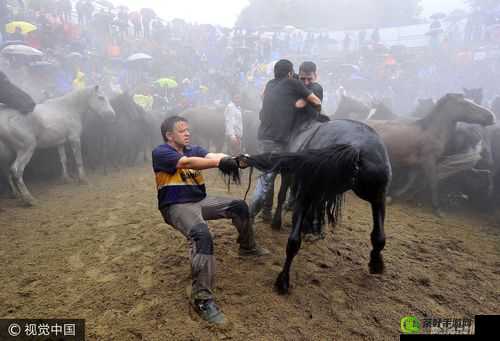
(262, 198)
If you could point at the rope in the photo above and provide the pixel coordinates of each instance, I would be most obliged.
(249, 183)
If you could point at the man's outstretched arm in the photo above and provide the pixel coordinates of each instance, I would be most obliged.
(199, 163)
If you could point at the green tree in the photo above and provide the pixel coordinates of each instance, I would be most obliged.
(332, 14)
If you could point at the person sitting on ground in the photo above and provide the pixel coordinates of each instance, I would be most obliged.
(184, 204)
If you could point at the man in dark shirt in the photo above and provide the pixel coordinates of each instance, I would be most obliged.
(277, 119)
(308, 75)
(184, 204)
(313, 229)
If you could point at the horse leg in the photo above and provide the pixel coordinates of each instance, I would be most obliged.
(431, 174)
(282, 283)
(17, 173)
(62, 157)
(409, 184)
(285, 184)
(13, 189)
(318, 222)
(77, 152)
(376, 264)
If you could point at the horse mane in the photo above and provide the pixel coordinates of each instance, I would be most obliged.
(346, 103)
(320, 176)
(427, 121)
(123, 104)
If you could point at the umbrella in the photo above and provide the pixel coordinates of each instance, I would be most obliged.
(22, 50)
(24, 26)
(12, 42)
(138, 57)
(166, 83)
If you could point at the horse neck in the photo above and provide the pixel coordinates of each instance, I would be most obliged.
(78, 100)
(439, 124)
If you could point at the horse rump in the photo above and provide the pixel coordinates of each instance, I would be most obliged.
(319, 176)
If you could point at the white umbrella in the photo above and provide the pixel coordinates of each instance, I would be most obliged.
(21, 50)
(139, 56)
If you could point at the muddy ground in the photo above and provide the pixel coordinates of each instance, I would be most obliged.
(103, 253)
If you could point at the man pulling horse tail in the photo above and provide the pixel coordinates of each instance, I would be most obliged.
(13, 97)
(184, 204)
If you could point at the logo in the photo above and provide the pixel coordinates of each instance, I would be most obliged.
(410, 325)
(14, 329)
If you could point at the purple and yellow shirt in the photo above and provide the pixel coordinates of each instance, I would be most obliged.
(176, 186)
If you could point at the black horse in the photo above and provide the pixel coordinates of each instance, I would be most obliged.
(328, 159)
(117, 143)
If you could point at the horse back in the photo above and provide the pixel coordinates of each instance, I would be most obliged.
(374, 160)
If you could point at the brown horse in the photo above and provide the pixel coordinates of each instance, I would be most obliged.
(418, 146)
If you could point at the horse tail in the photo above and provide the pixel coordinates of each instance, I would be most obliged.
(320, 176)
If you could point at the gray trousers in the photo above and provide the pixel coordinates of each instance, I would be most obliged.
(190, 219)
(262, 198)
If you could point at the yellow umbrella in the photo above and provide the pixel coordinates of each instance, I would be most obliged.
(24, 26)
(166, 83)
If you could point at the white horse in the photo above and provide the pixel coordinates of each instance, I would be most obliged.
(52, 124)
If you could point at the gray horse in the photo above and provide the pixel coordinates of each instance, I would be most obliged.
(419, 145)
(52, 124)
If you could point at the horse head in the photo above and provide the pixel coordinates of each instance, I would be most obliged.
(99, 104)
(125, 106)
(351, 108)
(464, 110)
(424, 107)
(475, 94)
(381, 111)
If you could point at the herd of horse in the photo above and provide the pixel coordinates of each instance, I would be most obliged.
(361, 148)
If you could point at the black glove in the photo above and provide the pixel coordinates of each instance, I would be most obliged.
(242, 160)
(228, 165)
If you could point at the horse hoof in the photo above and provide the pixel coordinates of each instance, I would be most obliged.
(388, 200)
(376, 266)
(281, 285)
(30, 202)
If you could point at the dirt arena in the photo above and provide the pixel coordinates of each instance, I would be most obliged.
(103, 253)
